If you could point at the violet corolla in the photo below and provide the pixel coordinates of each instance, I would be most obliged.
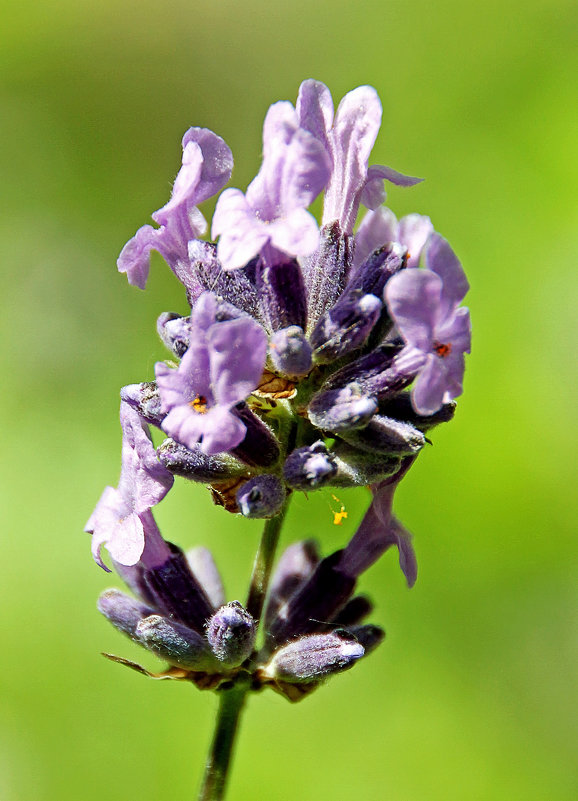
(309, 357)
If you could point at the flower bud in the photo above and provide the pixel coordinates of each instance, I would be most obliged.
(145, 399)
(124, 612)
(358, 468)
(341, 409)
(196, 465)
(400, 407)
(310, 467)
(314, 657)
(231, 633)
(290, 352)
(387, 435)
(353, 613)
(377, 269)
(261, 496)
(175, 643)
(345, 327)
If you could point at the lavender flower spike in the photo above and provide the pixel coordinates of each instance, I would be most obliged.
(222, 366)
(271, 218)
(207, 166)
(122, 520)
(425, 307)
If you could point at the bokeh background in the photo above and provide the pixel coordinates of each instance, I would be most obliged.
(473, 695)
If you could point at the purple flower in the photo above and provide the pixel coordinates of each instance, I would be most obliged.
(122, 520)
(271, 218)
(425, 307)
(349, 138)
(381, 226)
(222, 366)
(207, 166)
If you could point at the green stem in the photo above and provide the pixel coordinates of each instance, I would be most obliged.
(263, 564)
(232, 699)
(216, 771)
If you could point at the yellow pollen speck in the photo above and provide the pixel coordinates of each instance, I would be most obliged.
(341, 515)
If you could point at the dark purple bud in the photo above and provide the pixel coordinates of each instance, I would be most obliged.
(174, 332)
(231, 634)
(377, 269)
(145, 399)
(260, 447)
(387, 435)
(400, 407)
(296, 564)
(310, 467)
(354, 612)
(345, 327)
(290, 352)
(364, 372)
(341, 409)
(205, 570)
(194, 464)
(327, 272)
(369, 636)
(177, 592)
(358, 468)
(313, 658)
(282, 295)
(235, 286)
(261, 496)
(123, 611)
(175, 643)
(315, 603)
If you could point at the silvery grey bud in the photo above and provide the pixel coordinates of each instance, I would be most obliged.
(174, 332)
(261, 496)
(387, 435)
(401, 408)
(146, 400)
(358, 468)
(310, 467)
(175, 643)
(124, 612)
(231, 634)
(341, 409)
(314, 657)
(194, 464)
(290, 352)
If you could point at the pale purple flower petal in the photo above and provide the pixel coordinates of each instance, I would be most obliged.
(295, 169)
(351, 140)
(424, 307)
(413, 298)
(441, 259)
(315, 109)
(381, 226)
(206, 168)
(122, 520)
(237, 351)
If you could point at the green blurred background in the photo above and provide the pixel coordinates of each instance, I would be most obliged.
(473, 694)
